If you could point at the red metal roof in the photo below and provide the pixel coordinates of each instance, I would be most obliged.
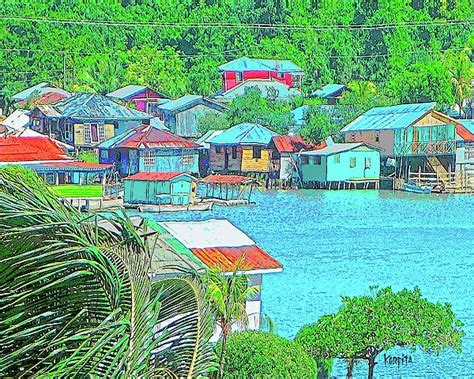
(464, 133)
(227, 179)
(30, 149)
(150, 137)
(155, 176)
(77, 164)
(45, 99)
(290, 144)
(225, 258)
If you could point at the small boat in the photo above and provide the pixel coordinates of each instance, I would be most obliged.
(411, 186)
(152, 208)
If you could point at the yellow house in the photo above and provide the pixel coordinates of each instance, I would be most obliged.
(244, 148)
(85, 120)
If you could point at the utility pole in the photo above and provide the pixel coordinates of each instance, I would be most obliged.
(64, 70)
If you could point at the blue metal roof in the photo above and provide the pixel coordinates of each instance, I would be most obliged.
(244, 134)
(299, 115)
(468, 124)
(25, 94)
(329, 91)
(395, 117)
(248, 64)
(97, 107)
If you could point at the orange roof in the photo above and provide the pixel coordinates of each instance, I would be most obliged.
(464, 133)
(290, 144)
(30, 149)
(155, 176)
(225, 258)
(227, 179)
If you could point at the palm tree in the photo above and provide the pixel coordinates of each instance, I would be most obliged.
(461, 71)
(76, 298)
(228, 295)
(102, 77)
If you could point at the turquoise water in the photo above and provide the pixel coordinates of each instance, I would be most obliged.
(335, 243)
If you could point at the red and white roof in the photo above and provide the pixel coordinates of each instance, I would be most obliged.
(220, 244)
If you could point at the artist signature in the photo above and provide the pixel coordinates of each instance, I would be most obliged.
(403, 360)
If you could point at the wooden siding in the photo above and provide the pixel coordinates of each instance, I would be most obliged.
(186, 122)
(431, 118)
(217, 160)
(250, 164)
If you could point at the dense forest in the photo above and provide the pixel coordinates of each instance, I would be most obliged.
(410, 50)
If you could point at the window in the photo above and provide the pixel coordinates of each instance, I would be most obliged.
(353, 162)
(234, 152)
(337, 158)
(87, 135)
(149, 158)
(94, 133)
(188, 159)
(239, 76)
(316, 160)
(304, 159)
(368, 162)
(256, 152)
(104, 154)
(68, 132)
(218, 150)
(280, 75)
(296, 79)
(377, 136)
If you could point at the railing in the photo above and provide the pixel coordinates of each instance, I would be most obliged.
(451, 181)
(425, 148)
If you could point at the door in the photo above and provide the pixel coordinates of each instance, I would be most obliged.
(226, 159)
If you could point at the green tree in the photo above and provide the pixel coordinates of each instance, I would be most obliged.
(228, 295)
(77, 298)
(461, 72)
(103, 76)
(266, 355)
(88, 156)
(365, 326)
(213, 121)
(318, 126)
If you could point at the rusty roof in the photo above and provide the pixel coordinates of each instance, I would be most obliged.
(30, 149)
(156, 176)
(227, 179)
(290, 144)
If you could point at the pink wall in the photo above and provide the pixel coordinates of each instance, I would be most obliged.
(229, 78)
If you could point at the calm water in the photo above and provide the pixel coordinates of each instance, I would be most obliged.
(335, 243)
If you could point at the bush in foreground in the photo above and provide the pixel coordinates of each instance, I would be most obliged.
(254, 354)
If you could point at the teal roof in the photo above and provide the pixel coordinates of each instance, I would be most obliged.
(183, 101)
(468, 124)
(97, 107)
(384, 118)
(250, 64)
(244, 134)
(329, 91)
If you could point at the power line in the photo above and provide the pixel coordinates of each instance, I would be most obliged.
(413, 24)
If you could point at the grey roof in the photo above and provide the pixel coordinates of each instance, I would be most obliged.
(96, 107)
(126, 92)
(335, 149)
(248, 64)
(384, 118)
(244, 134)
(188, 101)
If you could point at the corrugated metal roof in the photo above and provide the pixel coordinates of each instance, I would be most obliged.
(244, 134)
(334, 149)
(29, 149)
(204, 140)
(395, 117)
(96, 107)
(290, 144)
(28, 92)
(147, 136)
(80, 165)
(226, 258)
(156, 176)
(126, 92)
(329, 91)
(251, 64)
(209, 233)
(465, 129)
(227, 179)
(183, 101)
(17, 120)
(468, 124)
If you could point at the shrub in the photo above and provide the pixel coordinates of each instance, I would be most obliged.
(253, 354)
(88, 156)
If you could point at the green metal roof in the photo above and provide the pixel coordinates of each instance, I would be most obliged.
(384, 118)
(244, 134)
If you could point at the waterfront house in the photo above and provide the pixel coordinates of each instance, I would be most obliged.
(243, 69)
(331, 92)
(244, 148)
(142, 98)
(50, 161)
(217, 244)
(286, 149)
(159, 188)
(340, 165)
(149, 149)
(205, 150)
(465, 153)
(229, 188)
(39, 94)
(181, 116)
(85, 120)
(416, 135)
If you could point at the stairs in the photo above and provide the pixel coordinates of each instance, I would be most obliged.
(438, 168)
